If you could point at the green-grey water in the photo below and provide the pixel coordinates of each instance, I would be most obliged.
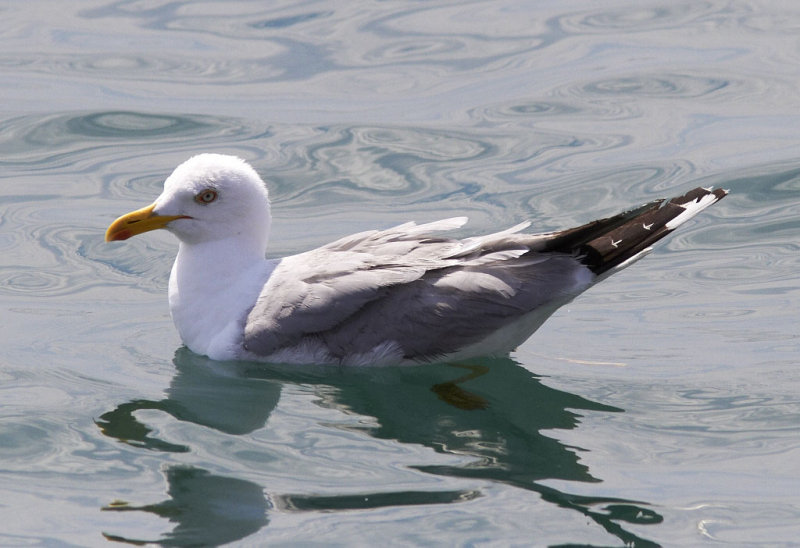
(662, 407)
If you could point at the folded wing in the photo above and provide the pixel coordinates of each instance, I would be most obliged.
(430, 296)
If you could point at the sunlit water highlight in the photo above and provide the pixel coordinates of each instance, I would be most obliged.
(659, 408)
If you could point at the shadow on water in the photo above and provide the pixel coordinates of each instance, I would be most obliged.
(494, 414)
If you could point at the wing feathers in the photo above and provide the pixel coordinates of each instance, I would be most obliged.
(403, 290)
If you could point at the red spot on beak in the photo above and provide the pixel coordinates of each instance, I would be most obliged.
(122, 235)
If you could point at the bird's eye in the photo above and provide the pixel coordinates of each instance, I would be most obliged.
(206, 197)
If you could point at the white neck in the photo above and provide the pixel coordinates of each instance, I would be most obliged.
(215, 283)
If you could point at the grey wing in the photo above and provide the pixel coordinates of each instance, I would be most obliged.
(430, 296)
(453, 308)
(403, 286)
(315, 291)
(303, 297)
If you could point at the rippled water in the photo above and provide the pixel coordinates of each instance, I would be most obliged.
(660, 408)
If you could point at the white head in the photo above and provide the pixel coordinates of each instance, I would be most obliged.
(208, 197)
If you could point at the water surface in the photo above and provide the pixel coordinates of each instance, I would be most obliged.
(660, 408)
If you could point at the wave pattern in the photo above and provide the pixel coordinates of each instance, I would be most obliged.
(65, 175)
(643, 18)
(103, 162)
(363, 115)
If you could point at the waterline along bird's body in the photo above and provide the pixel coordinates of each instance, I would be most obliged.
(407, 294)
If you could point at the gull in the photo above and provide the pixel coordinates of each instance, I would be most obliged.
(402, 295)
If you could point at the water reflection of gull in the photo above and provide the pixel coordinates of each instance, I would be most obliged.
(499, 430)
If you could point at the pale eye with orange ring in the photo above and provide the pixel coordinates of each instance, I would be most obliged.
(206, 196)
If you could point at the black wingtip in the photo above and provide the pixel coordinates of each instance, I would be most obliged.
(614, 245)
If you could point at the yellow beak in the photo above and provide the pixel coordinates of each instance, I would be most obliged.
(136, 222)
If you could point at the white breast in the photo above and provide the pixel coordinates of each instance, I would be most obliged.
(209, 299)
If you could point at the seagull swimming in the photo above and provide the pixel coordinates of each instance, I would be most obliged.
(402, 295)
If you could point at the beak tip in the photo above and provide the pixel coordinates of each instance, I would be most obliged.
(137, 222)
(118, 236)
(122, 228)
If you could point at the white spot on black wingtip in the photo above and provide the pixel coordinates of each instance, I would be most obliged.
(691, 208)
(724, 191)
